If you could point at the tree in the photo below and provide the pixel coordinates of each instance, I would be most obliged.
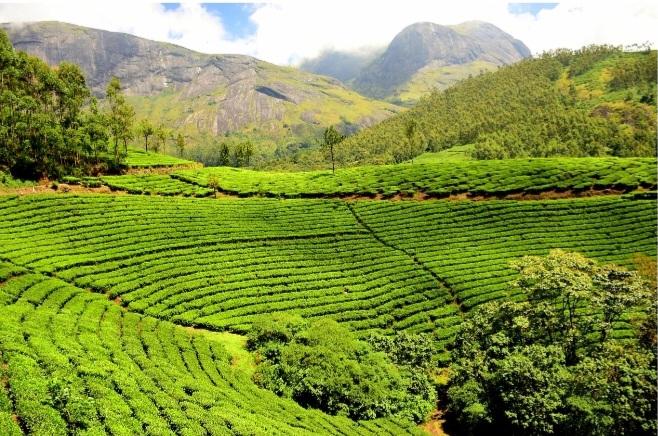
(96, 130)
(120, 118)
(224, 154)
(321, 364)
(330, 140)
(161, 134)
(214, 183)
(243, 152)
(145, 129)
(548, 365)
(180, 144)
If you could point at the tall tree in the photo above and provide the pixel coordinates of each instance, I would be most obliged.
(145, 129)
(330, 141)
(95, 129)
(180, 144)
(224, 154)
(161, 135)
(120, 118)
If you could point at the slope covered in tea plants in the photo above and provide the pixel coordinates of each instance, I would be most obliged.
(489, 178)
(378, 266)
(76, 363)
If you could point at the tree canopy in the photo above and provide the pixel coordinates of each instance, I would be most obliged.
(51, 125)
(322, 365)
(549, 365)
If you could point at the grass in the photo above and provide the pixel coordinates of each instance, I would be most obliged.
(7, 181)
(138, 158)
(458, 153)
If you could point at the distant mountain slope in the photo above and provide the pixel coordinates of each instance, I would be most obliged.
(424, 56)
(202, 94)
(344, 66)
(599, 100)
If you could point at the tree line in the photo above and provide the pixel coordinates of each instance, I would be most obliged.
(51, 125)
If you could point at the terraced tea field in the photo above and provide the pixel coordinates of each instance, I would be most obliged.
(138, 158)
(77, 363)
(102, 296)
(437, 179)
(379, 266)
(154, 184)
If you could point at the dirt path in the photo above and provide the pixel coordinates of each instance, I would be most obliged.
(64, 188)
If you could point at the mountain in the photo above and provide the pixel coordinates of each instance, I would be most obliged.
(199, 94)
(424, 56)
(598, 100)
(344, 66)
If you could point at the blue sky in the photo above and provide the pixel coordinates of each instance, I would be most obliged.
(286, 31)
(529, 8)
(234, 16)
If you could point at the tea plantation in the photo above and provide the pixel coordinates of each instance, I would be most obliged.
(102, 296)
(437, 179)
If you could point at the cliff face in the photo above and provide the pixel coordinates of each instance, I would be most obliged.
(144, 67)
(195, 91)
(423, 49)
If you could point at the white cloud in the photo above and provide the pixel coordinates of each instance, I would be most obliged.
(288, 31)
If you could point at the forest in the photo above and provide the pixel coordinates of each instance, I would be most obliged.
(595, 101)
(52, 126)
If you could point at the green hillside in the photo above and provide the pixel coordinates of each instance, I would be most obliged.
(595, 101)
(288, 121)
(77, 363)
(138, 158)
(437, 179)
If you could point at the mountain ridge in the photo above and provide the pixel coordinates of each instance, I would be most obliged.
(205, 95)
(424, 56)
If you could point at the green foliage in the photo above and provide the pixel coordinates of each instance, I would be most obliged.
(145, 129)
(213, 183)
(45, 128)
(414, 350)
(331, 139)
(120, 119)
(8, 181)
(153, 184)
(41, 115)
(439, 179)
(541, 107)
(180, 144)
(137, 158)
(72, 362)
(548, 365)
(322, 365)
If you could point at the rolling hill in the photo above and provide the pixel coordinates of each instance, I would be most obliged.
(598, 100)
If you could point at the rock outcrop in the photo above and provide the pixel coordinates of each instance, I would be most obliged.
(196, 91)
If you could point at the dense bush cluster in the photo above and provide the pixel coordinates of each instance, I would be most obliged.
(549, 365)
(322, 365)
